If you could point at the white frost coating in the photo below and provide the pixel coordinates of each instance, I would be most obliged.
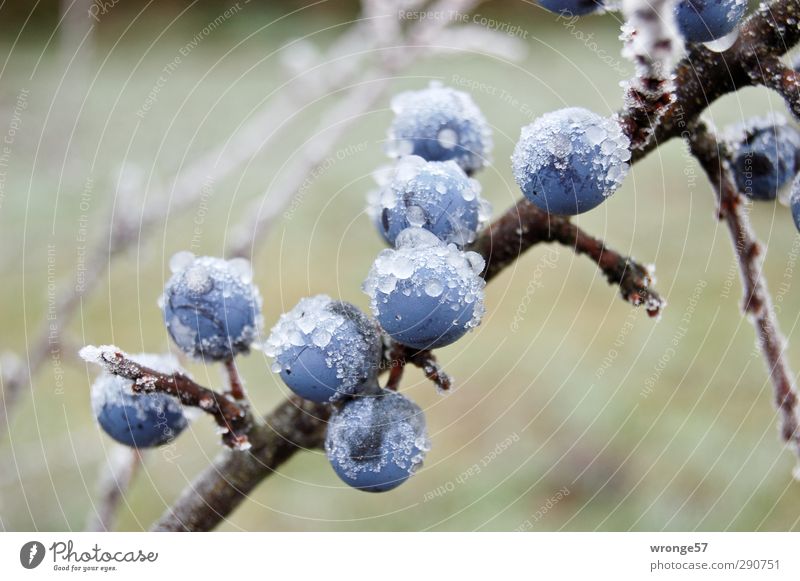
(114, 390)
(435, 269)
(369, 432)
(424, 114)
(653, 42)
(417, 184)
(554, 137)
(348, 338)
(224, 282)
(180, 260)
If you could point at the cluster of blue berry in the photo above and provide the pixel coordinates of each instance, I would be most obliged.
(697, 20)
(426, 291)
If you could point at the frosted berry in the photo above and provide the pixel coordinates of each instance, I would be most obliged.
(440, 124)
(707, 20)
(375, 443)
(211, 308)
(426, 294)
(571, 160)
(434, 195)
(325, 349)
(766, 157)
(572, 7)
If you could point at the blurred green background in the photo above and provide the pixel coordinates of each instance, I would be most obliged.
(585, 415)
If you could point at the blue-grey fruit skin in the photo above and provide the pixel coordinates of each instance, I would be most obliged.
(138, 420)
(307, 369)
(447, 214)
(766, 160)
(571, 160)
(423, 116)
(425, 322)
(214, 321)
(572, 7)
(375, 443)
(707, 20)
(795, 201)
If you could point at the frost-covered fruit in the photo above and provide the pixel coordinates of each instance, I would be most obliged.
(440, 124)
(435, 195)
(767, 155)
(425, 293)
(375, 443)
(794, 201)
(572, 7)
(139, 420)
(707, 20)
(211, 308)
(325, 350)
(569, 161)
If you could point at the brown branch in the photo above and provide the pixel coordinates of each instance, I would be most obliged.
(782, 79)
(235, 385)
(651, 43)
(526, 225)
(426, 361)
(703, 76)
(233, 419)
(294, 425)
(757, 303)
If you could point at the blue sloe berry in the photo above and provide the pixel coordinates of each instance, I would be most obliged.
(375, 443)
(765, 157)
(569, 161)
(426, 294)
(139, 420)
(325, 350)
(707, 20)
(211, 308)
(572, 7)
(434, 195)
(440, 124)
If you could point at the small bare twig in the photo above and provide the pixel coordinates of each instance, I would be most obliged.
(782, 79)
(232, 419)
(292, 426)
(115, 479)
(426, 361)
(525, 225)
(757, 303)
(235, 385)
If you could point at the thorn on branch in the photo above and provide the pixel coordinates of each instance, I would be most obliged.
(232, 418)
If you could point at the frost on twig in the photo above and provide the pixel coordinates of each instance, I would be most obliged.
(525, 225)
(652, 43)
(233, 419)
(757, 303)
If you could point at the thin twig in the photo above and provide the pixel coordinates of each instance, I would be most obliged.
(525, 225)
(232, 418)
(235, 385)
(782, 79)
(757, 303)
